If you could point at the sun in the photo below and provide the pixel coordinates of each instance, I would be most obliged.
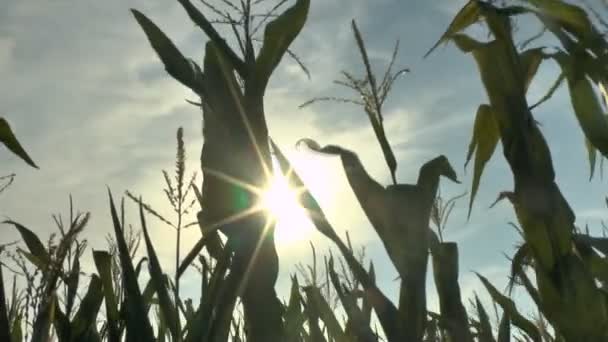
(281, 203)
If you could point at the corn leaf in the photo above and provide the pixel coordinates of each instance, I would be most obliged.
(483, 143)
(573, 18)
(326, 314)
(178, 66)
(588, 110)
(5, 327)
(508, 306)
(7, 137)
(86, 315)
(158, 280)
(484, 330)
(467, 16)
(445, 271)
(33, 243)
(504, 328)
(103, 263)
(138, 326)
(530, 61)
(278, 35)
(44, 318)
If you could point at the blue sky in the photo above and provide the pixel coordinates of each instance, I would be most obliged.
(92, 104)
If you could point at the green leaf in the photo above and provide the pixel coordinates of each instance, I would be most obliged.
(485, 138)
(592, 155)
(508, 306)
(278, 36)
(10, 141)
(178, 66)
(103, 263)
(137, 323)
(530, 61)
(573, 18)
(158, 280)
(467, 16)
(588, 110)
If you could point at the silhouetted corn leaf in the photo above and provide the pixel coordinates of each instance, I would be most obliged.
(178, 66)
(294, 316)
(103, 263)
(158, 280)
(85, 318)
(5, 326)
(10, 141)
(34, 245)
(445, 270)
(467, 16)
(45, 317)
(278, 35)
(317, 302)
(504, 328)
(201, 21)
(599, 243)
(357, 329)
(483, 142)
(138, 326)
(484, 329)
(508, 306)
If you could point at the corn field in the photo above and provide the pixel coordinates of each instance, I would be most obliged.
(562, 269)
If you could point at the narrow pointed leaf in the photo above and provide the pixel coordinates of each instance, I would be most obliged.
(5, 327)
(278, 36)
(138, 326)
(484, 331)
(158, 280)
(7, 137)
(103, 263)
(467, 16)
(33, 243)
(508, 306)
(504, 329)
(86, 315)
(485, 138)
(178, 66)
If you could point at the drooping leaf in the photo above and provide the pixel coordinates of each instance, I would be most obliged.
(485, 138)
(178, 66)
(33, 243)
(138, 328)
(588, 110)
(467, 16)
(158, 280)
(571, 17)
(530, 61)
(7, 137)
(508, 306)
(278, 36)
(591, 155)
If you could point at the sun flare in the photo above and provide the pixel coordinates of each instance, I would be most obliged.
(281, 202)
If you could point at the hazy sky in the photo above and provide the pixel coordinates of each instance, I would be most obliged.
(93, 105)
